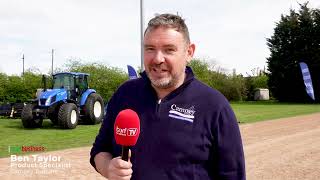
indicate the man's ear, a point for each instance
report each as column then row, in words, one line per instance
column 190, row 51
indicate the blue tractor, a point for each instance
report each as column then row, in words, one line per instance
column 69, row 102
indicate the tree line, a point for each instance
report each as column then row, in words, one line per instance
column 106, row 80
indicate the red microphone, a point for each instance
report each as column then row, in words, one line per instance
column 126, row 130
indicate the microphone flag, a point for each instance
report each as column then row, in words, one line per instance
column 307, row 79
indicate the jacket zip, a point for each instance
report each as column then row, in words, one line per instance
column 158, row 108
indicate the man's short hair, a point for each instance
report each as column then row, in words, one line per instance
column 169, row 21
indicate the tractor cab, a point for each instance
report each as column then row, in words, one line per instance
column 74, row 84
column 65, row 86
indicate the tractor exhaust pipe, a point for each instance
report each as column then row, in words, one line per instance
column 44, row 81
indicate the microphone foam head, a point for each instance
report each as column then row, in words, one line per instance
column 127, row 128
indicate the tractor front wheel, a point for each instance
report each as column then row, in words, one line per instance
column 68, row 116
column 28, row 120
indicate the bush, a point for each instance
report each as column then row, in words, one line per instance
column 19, row 88
column 233, row 87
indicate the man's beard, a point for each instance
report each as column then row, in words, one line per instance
column 164, row 83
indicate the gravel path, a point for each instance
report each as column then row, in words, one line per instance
column 287, row 148
column 283, row 149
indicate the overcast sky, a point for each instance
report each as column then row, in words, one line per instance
column 230, row 33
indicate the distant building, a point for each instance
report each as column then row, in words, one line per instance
column 261, row 95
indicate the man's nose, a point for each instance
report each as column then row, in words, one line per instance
column 159, row 57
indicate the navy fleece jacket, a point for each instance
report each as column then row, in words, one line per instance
column 192, row 133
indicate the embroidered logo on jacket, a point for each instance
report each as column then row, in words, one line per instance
column 182, row 113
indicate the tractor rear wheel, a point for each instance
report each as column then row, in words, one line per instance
column 28, row 120
column 94, row 109
column 68, row 116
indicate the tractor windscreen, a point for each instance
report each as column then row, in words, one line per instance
column 65, row 81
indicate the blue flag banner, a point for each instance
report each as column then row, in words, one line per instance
column 307, row 79
column 132, row 72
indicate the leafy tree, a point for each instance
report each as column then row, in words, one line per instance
column 295, row 39
column 32, row 82
column 201, row 69
column 15, row 90
column 3, row 84
column 232, row 87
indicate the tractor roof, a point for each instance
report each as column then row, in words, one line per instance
column 72, row 73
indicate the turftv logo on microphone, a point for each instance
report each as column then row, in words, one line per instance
column 126, row 131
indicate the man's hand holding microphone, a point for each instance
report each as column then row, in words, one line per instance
column 126, row 133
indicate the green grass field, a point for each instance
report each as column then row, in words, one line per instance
column 247, row 112
column 52, row 138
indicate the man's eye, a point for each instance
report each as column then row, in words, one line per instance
column 170, row 50
column 148, row 49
